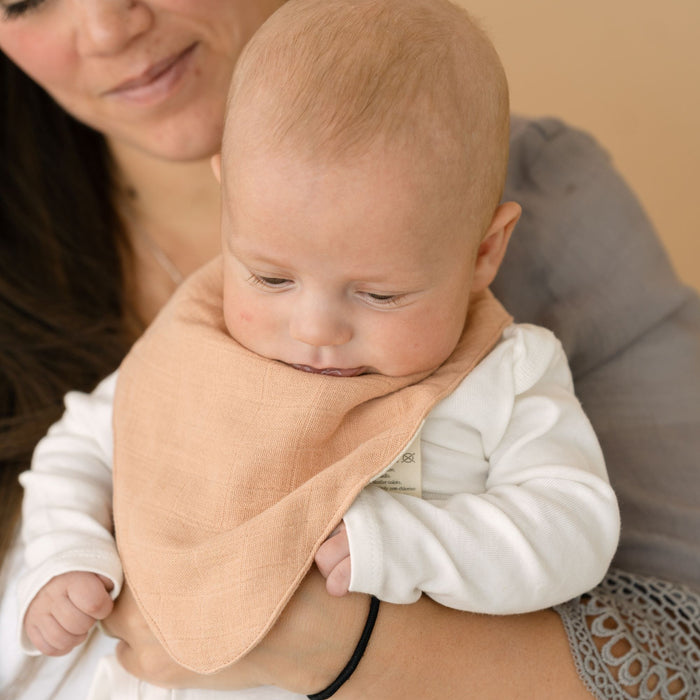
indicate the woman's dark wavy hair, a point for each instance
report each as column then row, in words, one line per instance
column 62, row 306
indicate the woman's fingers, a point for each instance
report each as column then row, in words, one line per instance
column 154, row 665
column 125, row 621
column 140, row 653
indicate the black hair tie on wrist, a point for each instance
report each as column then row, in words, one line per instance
column 356, row 655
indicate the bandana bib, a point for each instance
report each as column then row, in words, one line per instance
column 230, row 469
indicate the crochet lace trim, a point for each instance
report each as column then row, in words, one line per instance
column 636, row 638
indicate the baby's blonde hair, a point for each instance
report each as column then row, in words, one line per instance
column 330, row 78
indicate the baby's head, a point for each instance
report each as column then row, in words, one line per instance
column 363, row 164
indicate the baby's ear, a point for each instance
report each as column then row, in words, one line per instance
column 216, row 166
column 493, row 246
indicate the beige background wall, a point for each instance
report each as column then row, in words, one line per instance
column 628, row 71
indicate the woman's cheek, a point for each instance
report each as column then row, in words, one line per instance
column 48, row 67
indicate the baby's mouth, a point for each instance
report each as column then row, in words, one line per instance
column 330, row 371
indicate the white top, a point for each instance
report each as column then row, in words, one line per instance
column 516, row 512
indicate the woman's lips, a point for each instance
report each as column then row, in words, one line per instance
column 330, row 371
column 156, row 81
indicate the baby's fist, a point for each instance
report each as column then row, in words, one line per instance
column 333, row 561
column 65, row 609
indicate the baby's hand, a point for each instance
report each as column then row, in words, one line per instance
column 64, row 610
column 333, row 561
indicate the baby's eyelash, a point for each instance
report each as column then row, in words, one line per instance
column 268, row 282
column 19, row 9
column 384, row 299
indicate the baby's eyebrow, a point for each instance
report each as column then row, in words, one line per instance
column 250, row 255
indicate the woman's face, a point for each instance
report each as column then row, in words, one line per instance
column 152, row 74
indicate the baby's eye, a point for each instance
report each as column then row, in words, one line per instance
column 269, row 282
column 382, row 299
column 18, row 9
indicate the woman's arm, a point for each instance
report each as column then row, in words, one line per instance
column 421, row 651
column 431, row 652
column 629, row 631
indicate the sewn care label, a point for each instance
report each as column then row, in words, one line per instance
column 404, row 474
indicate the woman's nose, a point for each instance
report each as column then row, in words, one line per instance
column 105, row 27
column 319, row 325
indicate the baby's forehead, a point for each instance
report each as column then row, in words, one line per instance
column 399, row 197
column 426, row 164
column 431, row 183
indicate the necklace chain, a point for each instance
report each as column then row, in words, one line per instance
column 161, row 257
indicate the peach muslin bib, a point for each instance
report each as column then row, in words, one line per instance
column 231, row 469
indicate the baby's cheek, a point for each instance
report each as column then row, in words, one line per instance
column 422, row 350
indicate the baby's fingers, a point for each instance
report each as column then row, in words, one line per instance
column 50, row 638
column 338, row 581
column 88, row 594
column 70, row 617
column 333, row 551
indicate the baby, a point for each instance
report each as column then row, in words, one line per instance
column 362, row 169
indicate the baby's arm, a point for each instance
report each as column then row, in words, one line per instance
column 542, row 527
column 67, row 522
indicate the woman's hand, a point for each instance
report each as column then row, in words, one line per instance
column 304, row 651
column 138, row 650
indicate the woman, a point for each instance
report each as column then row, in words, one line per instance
column 104, row 212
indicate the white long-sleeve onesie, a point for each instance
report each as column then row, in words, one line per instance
column 516, row 514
